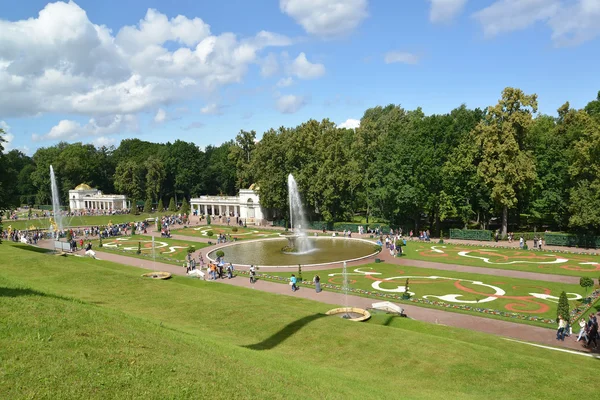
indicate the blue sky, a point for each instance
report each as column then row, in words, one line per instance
column 101, row 71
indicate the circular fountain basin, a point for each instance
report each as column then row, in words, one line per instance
column 268, row 253
column 157, row 275
column 351, row 313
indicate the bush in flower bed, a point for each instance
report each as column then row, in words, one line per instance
column 578, row 312
column 417, row 300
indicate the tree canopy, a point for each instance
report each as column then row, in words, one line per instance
column 499, row 167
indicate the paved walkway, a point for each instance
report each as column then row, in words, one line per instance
column 512, row 330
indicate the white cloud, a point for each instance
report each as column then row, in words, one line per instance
column 572, row 21
column 304, row 69
column 285, row 82
column 212, row 109
column 269, row 65
column 193, row 125
column 511, row 15
column 289, row 104
column 576, row 23
column 104, row 141
column 102, row 126
column 400, row 57
column 350, row 124
column 326, row 18
column 79, row 67
column 445, row 10
column 161, row 116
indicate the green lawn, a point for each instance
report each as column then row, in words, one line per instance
column 166, row 250
column 544, row 262
column 81, row 328
column 99, row 220
column 513, row 299
column 241, row 234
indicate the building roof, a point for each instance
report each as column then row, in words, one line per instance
column 83, row 186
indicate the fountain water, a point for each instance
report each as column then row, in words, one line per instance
column 297, row 219
column 345, row 288
column 55, row 203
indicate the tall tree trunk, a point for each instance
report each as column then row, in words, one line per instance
column 504, row 221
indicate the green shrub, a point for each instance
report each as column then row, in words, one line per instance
column 191, row 249
column 210, row 233
column 160, row 206
column 208, row 220
column 525, row 247
column 563, row 306
column 139, row 250
column 471, row 234
column 148, row 206
column 586, row 283
column 172, row 205
column 220, row 253
column 234, row 229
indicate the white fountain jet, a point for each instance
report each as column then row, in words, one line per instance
column 297, row 218
column 58, row 219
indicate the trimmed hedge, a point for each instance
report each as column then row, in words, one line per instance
column 571, row 240
column 471, row 234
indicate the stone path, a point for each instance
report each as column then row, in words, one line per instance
column 512, row 330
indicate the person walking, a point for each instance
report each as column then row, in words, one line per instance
column 293, row 281
column 252, row 274
column 582, row 330
column 562, row 324
column 317, row 281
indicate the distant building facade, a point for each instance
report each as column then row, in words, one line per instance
column 83, row 197
column 246, row 205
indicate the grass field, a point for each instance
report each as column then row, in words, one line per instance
column 457, row 291
column 97, row 220
column 241, row 234
column 166, row 250
column 519, row 260
column 82, row 328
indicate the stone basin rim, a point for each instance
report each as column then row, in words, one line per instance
column 294, row 265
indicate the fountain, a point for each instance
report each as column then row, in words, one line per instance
column 297, row 241
column 57, row 224
column 301, row 249
column 347, row 312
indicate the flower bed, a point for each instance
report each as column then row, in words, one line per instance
column 578, row 312
column 436, row 303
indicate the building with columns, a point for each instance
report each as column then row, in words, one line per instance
column 246, row 205
column 83, row 197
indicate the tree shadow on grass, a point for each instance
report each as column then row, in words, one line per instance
column 279, row 337
column 17, row 292
column 31, row 248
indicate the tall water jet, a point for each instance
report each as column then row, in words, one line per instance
column 58, row 220
column 297, row 219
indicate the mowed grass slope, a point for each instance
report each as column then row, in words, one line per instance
column 81, row 328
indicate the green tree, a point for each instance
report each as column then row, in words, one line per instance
column 130, row 179
column 133, row 210
column 155, row 176
column 185, row 207
column 584, row 172
column 172, row 206
column 506, row 166
column 161, row 206
column 586, row 283
column 240, row 153
column 148, row 205
column 563, row 307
